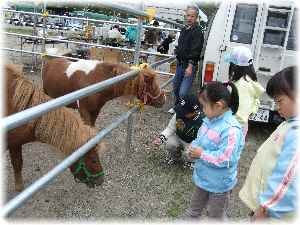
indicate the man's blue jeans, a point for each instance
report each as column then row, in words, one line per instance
column 182, row 84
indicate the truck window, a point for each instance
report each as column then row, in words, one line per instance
column 277, row 19
column 243, row 23
column 292, row 41
column 274, row 37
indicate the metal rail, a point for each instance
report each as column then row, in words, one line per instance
column 21, row 198
column 90, row 20
column 23, row 117
column 84, row 43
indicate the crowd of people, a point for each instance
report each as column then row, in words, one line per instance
column 209, row 131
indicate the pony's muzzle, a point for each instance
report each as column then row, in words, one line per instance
column 98, row 181
column 159, row 102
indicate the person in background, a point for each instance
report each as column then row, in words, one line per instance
column 270, row 188
column 216, row 151
column 242, row 74
column 187, row 52
column 114, row 36
column 163, row 48
column 181, row 130
column 152, row 35
column 131, row 35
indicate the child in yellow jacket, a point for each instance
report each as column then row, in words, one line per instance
column 242, row 74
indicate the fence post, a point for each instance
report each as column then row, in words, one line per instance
column 44, row 37
column 136, row 62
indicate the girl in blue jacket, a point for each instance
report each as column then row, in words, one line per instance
column 216, row 150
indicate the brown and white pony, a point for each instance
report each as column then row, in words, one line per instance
column 61, row 76
column 62, row 128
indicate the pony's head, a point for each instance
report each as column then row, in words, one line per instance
column 148, row 89
column 88, row 168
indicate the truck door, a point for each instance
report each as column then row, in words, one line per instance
column 242, row 29
column 276, row 45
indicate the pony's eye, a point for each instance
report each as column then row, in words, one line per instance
column 94, row 160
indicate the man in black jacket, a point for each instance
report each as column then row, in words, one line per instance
column 187, row 52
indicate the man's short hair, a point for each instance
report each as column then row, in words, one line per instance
column 192, row 7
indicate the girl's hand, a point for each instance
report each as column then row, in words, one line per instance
column 195, row 152
column 260, row 214
column 157, row 141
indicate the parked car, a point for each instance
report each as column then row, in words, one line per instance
column 50, row 25
column 15, row 21
column 58, row 25
column 29, row 23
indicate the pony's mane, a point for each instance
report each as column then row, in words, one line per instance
column 61, row 128
column 148, row 72
column 20, row 89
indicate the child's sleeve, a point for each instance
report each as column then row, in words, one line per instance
column 171, row 128
column 280, row 197
column 231, row 142
column 197, row 141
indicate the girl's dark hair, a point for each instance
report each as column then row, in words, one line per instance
column 236, row 72
column 215, row 91
column 283, row 83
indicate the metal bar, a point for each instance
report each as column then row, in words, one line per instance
column 136, row 12
column 153, row 65
column 44, row 36
column 23, row 117
column 169, row 21
column 38, row 53
column 166, row 83
column 106, row 3
column 94, row 20
column 129, row 133
column 136, row 62
column 138, row 41
column 70, row 17
column 164, row 73
column 161, row 28
column 88, row 44
column 20, row 199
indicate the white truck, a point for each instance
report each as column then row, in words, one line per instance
column 268, row 28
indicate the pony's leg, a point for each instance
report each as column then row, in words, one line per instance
column 85, row 115
column 17, row 163
column 94, row 116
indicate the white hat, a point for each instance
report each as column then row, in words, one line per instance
column 240, row 56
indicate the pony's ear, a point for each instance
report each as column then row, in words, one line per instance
column 115, row 70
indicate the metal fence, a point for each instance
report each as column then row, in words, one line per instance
column 44, row 38
column 23, row 117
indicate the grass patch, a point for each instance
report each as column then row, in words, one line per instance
column 27, row 30
column 173, row 211
column 177, row 205
column 21, row 30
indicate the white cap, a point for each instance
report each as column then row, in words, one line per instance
column 240, row 56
